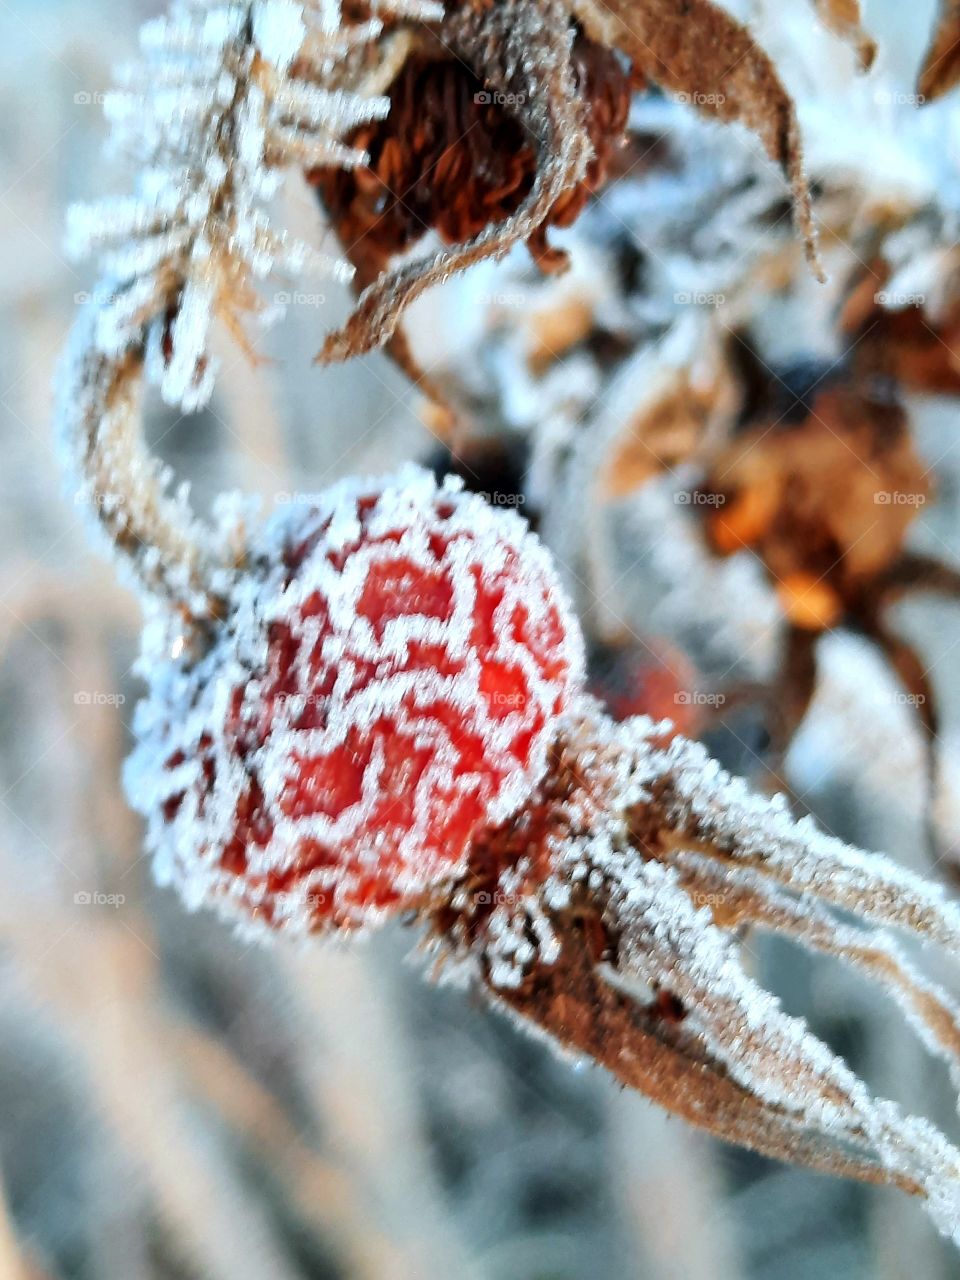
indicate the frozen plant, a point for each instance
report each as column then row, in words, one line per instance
column 374, row 706
column 507, row 115
column 389, row 720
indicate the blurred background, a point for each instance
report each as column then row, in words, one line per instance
column 178, row 1104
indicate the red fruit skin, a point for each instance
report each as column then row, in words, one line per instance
column 387, row 681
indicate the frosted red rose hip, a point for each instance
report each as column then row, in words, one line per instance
column 387, row 679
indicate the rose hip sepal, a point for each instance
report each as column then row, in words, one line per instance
column 386, row 680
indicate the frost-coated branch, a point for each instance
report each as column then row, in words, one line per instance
column 115, row 476
column 226, row 99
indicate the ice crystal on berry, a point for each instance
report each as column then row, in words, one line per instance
column 387, row 678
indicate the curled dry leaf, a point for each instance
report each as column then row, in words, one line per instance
column 523, row 54
column 695, row 49
column 456, row 158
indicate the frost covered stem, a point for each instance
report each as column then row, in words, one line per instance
column 121, row 484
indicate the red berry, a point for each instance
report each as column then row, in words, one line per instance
column 387, row 680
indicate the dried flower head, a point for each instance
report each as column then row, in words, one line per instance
column 547, row 82
column 453, row 158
